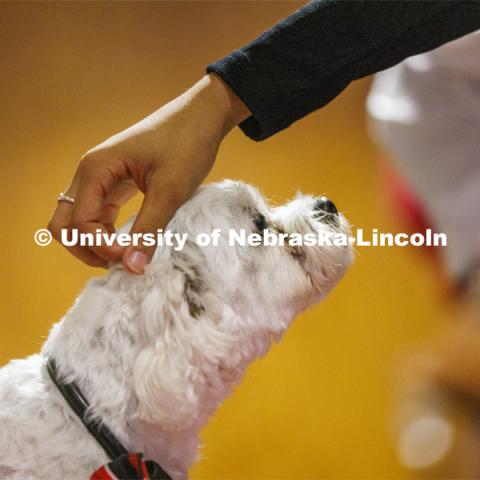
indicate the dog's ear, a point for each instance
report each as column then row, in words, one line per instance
column 183, row 349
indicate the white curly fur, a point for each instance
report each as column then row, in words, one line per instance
column 156, row 354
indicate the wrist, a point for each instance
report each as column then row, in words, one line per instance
column 223, row 105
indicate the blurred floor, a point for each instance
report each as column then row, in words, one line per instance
column 74, row 73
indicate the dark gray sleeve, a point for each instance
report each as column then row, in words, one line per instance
column 307, row 59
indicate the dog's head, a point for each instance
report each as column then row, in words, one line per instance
column 209, row 310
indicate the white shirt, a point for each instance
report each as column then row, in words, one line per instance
column 426, row 113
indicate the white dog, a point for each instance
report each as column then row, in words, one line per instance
column 156, row 354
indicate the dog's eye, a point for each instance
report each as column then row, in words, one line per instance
column 259, row 221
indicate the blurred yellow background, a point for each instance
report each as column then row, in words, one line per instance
column 319, row 405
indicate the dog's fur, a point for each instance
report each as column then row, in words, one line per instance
column 156, row 354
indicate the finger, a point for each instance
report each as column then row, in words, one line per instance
column 124, row 191
column 82, row 253
column 85, row 255
column 96, row 183
column 63, row 211
column 60, row 221
column 158, row 207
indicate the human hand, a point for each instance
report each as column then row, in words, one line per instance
column 166, row 156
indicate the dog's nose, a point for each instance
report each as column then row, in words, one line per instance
column 325, row 205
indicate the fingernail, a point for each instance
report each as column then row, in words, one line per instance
column 137, row 261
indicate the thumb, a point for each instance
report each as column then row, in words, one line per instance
column 158, row 207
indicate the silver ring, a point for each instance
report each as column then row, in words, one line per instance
column 65, row 198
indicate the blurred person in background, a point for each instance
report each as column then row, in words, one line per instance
column 426, row 114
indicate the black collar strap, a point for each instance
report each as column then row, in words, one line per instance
column 102, row 434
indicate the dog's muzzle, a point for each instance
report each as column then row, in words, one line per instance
column 325, row 211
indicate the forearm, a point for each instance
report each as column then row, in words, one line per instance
column 307, row 59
